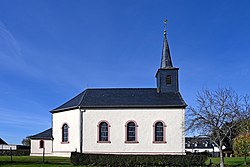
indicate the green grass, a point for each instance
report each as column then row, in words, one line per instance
column 230, row 161
column 30, row 161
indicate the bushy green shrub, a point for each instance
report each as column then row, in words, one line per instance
column 137, row 160
column 14, row 152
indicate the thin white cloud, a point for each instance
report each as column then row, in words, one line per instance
column 11, row 57
column 24, row 120
column 9, row 41
column 30, row 64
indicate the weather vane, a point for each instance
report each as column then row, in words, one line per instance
column 165, row 26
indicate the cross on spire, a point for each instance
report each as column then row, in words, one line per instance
column 165, row 26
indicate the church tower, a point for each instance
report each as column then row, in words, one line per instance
column 167, row 75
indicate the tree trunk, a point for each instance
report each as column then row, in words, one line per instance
column 221, row 157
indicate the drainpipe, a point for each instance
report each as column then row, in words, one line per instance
column 52, row 139
column 81, row 128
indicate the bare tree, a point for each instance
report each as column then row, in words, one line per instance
column 26, row 142
column 216, row 114
column 244, row 124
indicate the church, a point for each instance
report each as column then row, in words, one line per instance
column 120, row 120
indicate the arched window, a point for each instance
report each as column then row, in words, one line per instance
column 131, row 132
column 169, row 80
column 103, row 132
column 159, row 132
column 41, row 144
column 65, row 133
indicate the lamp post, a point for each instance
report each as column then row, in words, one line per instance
column 43, row 154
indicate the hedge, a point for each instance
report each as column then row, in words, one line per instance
column 14, row 152
column 114, row 160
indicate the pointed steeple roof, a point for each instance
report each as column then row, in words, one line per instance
column 166, row 61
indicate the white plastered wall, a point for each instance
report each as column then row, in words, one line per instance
column 72, row 118
column 145, row 118
column 35, row 149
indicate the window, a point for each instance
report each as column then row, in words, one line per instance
column 65, row 133
column 169, row 80
column 159, row 132
column 103, row 132
column 131, row 132
column 41, row 144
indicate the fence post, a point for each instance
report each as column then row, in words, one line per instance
column 11, row 154
column 43, row 154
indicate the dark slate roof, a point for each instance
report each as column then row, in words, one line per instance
column 166, row 61
column 199, row 141
column 47, row 134
column 2, row 141
column 123, row 98
column 22, row 147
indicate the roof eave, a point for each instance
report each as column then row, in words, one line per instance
column 137, row 106
column 40, row 138
column 63, row 109
column 119, row 106
column 167, row 68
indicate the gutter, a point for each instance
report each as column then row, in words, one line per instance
column 122, row 106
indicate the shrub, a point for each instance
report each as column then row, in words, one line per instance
column 137, row 160
column 14, row 152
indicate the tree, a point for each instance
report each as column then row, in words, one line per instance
column 242, row 145
column 216, row 115
column 243, row 124
column 26, row 142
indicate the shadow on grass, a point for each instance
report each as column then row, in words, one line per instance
column 29, row 163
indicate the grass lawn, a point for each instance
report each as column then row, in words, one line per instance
column 230, row 161
column 30, row 161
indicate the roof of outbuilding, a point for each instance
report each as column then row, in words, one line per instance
column 198, row 142
column 123, row 98
column 2, row 141
column 47, row 134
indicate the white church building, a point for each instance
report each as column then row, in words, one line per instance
column 120, row 120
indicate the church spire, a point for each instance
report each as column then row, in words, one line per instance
column 167, row 75
column 166, row 61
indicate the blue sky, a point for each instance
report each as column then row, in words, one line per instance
column 51, row 50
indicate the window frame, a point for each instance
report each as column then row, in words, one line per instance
column 136, row 132
column 164, row 132
column 65, row 142
column 98, row 131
